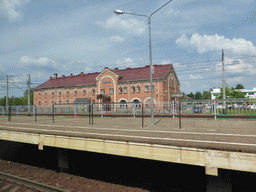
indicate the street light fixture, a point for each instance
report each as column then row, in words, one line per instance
column 118, row 12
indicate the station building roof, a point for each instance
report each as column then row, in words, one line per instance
column 128, row 74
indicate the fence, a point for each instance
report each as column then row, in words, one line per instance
column 245, row 108
column 228, row 107
column 75, row 110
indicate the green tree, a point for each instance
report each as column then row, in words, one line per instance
column 17, row 101
column 3, row 101
column 191, row 95
column 239, row 86
column 198, row 96
column 11, row 101
column 25, row 98
column 231, row 93
column 206, row 95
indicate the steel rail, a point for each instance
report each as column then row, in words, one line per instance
column 31, row 184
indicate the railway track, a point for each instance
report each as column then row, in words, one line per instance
column 11, row 183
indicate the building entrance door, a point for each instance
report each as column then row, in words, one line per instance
column 107, row 106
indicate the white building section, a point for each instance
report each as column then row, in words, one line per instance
column 249, row 93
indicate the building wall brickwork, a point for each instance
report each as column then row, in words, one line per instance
column 110, row 86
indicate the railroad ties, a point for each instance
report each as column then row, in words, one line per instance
column 11, row 183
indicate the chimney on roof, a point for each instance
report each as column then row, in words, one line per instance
column 71, row 75
column 50, row 77
column 63, row 76
column 128, row 68
column 55, row 75
column 116, row 69
column 82, row 73
column 106, row 68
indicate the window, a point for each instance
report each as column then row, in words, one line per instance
column 52, row 102
column 52, row 94
column 123, row 104
column 133, row 89
column 120, row 90
column 39, row 103
column 45, row 102
column 125, row 90
column 60, row 102
column 67, row 93
column 102, row 91
column 111, row 91
column 68, row 102
column 146, row 89
column 153, row 88
column 93, row 92
column 45, row 95
column 138, row 89
column 84, row 92
column 136, row 103
column 75, row 93
column 60, row 94
column 39, row 95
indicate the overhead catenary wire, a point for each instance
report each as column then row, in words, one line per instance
column 200, row 66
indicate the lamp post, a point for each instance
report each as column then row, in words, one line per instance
column 118, row 12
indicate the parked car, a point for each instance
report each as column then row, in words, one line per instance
column 197, row 110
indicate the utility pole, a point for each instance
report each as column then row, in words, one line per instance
column 29, row 94
column 223, row 83
column 28, row 89
column 7, row 91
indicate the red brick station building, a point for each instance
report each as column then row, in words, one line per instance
column 110, row 85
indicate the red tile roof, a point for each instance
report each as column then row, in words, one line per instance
column 128, row 74
column 142, row 72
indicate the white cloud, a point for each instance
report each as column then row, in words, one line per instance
column 177, row 66
column 117, row 39
column 195, row 76
column 10, row 8
column 235, row 66
column 132, row 25
column 38, row 75
column 235, row 80
column 206, row 43
column 126, row 63
column 41, row 61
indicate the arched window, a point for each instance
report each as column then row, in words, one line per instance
column 67, row 93
column 136, row 103
column 123, row 104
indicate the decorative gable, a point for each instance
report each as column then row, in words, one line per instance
column 106, row 71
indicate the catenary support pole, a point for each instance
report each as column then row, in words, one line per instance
column 179, row 115
column 92, row 114
column 53, row 113
column 142, row 116
column 89, row 114
column 223, row 83
column 35, row 112
column 7, row 91
column 28, row 94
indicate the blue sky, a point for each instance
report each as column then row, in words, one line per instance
column 40, row 38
